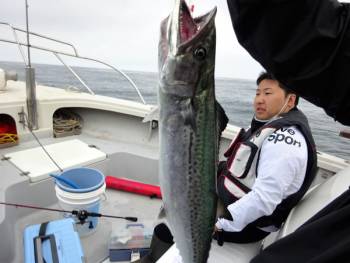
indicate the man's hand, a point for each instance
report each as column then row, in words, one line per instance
column 216, row 229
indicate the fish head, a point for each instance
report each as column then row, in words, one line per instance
column 186, row 50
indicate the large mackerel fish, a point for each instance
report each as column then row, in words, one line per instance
column 190, row 122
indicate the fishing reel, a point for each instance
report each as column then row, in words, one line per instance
column 82, row 216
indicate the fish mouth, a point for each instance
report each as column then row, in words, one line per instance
column 188, row 28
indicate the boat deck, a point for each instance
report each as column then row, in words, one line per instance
column 123, row 159
column 95, row 245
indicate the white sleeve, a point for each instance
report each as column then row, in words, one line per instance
column 281, row 172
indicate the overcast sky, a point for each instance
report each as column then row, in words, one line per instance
column 124, row 33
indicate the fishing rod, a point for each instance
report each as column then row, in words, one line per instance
column 82, row 215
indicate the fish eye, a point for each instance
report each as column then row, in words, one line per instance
column 200, row 53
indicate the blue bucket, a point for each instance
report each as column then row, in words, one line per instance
column 91, row 186
column 86, row 179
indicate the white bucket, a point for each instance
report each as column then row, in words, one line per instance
column 89, row 201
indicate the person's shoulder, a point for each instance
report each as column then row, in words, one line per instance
column 289, row 136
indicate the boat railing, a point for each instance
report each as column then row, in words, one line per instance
column 58, row 53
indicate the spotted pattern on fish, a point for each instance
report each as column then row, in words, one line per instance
column 189, row 118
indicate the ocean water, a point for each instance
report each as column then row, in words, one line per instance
column 235, row 95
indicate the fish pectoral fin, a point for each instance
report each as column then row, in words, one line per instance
column 188, row 115
column 162, row 213
column 221, row 117
column 152, row 115
column 162, row 217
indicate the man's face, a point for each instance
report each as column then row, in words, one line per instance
column 269, row 100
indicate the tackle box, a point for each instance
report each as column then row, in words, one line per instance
column 129, row 242
column 52, row 242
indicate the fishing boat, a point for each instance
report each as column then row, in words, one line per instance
column 46, row 130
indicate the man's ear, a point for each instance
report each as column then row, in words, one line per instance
column 291, row 100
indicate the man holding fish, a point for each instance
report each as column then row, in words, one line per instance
column 269, row 167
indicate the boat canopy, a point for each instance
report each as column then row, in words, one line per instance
column 305, row 44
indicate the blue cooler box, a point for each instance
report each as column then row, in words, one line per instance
column 59, row 243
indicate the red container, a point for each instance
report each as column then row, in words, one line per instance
column 133, row 186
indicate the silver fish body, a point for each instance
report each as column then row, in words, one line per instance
column 189, row 129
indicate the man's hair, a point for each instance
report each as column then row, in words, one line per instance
column 265, row 75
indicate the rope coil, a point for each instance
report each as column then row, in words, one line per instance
column 8, row 138
column 66, row 123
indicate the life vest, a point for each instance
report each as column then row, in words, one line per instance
column 236, row 178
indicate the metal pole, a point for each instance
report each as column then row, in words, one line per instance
column 74, row 74
column 30, row 85
column 28, row 43
column 31, row 99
